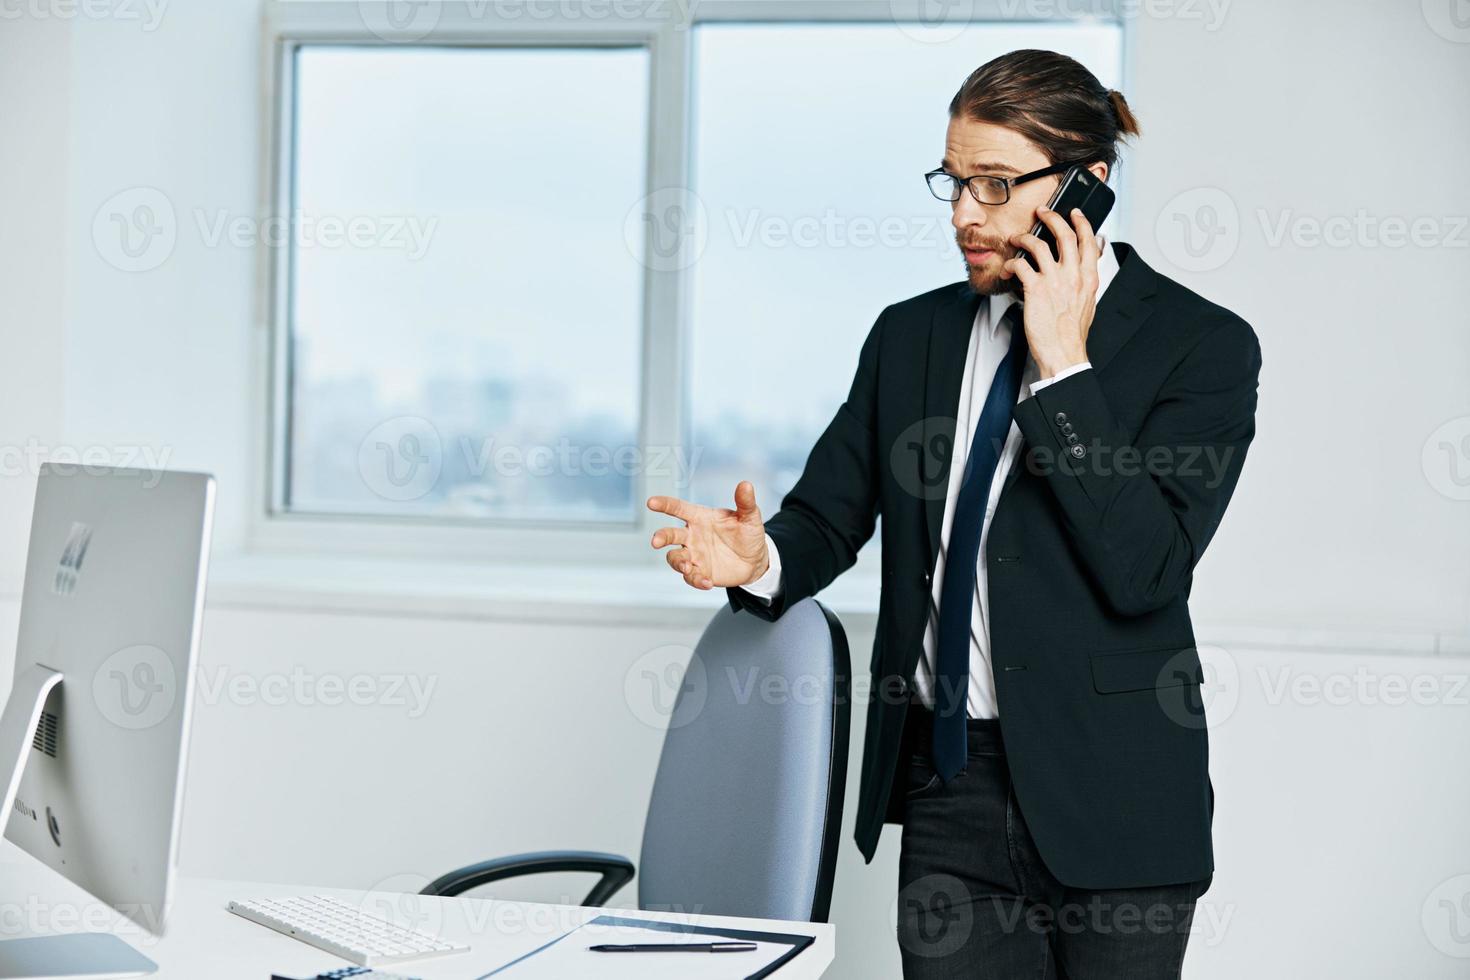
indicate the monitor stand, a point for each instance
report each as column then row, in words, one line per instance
column 90, row 955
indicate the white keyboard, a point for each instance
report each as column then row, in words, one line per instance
column 343, row 929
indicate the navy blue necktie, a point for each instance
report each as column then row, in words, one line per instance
column 957, row 593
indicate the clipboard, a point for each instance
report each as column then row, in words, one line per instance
column 779, row 949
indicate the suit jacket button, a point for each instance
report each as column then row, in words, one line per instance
column 1067, row 428
column 1078, row 451
column 1072, row 439
column 1061, row 418
column 928, row 578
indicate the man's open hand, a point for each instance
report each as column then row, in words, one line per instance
column 717, row 547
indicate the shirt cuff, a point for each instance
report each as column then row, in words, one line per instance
column 768, row 586
column 1067, row 373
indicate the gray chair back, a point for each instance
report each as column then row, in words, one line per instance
column 747, row 804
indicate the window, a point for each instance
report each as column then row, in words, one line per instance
column 474, row 350
column 491, row 318
column 819, row 218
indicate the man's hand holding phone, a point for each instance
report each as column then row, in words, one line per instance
column 1061, row 292
column 717, row 547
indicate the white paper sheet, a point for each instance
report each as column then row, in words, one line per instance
column 570, row 957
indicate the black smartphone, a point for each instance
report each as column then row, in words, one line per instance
column 1079, row 188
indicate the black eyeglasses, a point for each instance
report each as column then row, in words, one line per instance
column 983, row 187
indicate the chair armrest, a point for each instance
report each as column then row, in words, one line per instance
column 616, row 872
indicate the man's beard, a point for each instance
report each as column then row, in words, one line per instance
column 984, row 282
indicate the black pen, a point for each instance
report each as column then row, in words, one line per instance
column 675, row 948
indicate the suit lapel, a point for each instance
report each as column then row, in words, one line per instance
column 949, row 337
column 1122, row 309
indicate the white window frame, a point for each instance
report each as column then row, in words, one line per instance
column 665, row 28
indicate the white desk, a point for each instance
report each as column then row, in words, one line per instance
column 204, row 940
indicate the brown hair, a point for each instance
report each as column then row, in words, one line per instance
column 1053, row 101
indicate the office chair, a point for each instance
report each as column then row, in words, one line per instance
column 747, row 803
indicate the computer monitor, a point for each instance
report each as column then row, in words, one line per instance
column 93, row 736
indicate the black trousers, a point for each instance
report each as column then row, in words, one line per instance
column 976, row 901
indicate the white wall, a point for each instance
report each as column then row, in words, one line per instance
column 1310, row 110
column 1336, row 821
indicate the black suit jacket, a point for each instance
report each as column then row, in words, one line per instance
column 1123, row 479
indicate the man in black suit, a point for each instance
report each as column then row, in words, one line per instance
column 1051, row 449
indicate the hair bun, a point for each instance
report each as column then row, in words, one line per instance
column 1127, row 122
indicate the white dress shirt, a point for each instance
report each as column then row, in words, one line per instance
column 989, row 341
